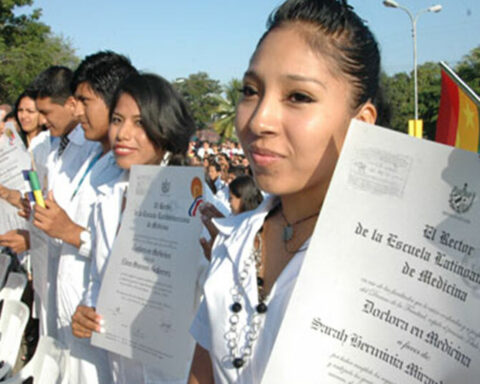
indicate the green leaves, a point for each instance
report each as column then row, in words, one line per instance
column 27, row 47
column 399, row 92
column 201, row 94
column 224, row 123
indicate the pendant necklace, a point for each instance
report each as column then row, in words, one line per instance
column 288, row 230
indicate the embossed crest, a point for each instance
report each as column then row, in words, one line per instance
column 166, row 186
column 461, row 199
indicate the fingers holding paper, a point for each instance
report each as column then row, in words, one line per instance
column 85, row 321
column 25, row 209
column 17, row 240
column 12, row 196
column 208, row 212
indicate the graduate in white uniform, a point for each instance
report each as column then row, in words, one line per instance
column 313, row 71
column 66, row 162
column 149, row 124
column 94, row 84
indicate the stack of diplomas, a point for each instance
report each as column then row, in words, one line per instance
column 390, row 288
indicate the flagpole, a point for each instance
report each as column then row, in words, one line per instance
column 464, row 86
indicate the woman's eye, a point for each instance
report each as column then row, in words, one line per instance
column 115, row 120
column 298, row 97
column 139, row 123
column 248, row 91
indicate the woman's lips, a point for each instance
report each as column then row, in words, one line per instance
column 264, row 157
column 121, row 150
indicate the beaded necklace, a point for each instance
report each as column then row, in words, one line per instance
column 239, row 356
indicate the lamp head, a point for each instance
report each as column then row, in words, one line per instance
column 435, row 8
column 390, row 3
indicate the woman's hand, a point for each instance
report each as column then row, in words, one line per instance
column 17, row 240
column 208, row 212
column 85, row 321
column 12, row 196
column 201, row 371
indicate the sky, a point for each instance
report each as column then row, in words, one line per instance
column 175, row 38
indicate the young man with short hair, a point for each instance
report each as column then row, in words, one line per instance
column 93, row 85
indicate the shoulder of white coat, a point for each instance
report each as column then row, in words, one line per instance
column 228, row 225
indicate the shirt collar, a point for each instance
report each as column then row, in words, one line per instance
column 239, row 231
column 77, row 135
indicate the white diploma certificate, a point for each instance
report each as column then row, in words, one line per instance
column 39, row 244
column 148, row 292
column 14, row 159
column 9, row 218
column 390, row 287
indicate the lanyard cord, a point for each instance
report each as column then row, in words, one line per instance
column 90, row 166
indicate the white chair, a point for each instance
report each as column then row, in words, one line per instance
column 14, row 287
column 13, row 320
column 4, row 264
column 49, row 364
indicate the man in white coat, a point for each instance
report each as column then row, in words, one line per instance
column 68, row 157
column 94, row 84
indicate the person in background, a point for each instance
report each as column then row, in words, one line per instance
column 217, row 184
column 195, row 161
column 28, row 118
column 244, row 194
column 315, row 69
column 5, row 110
column 234, row 172
column 204, row 150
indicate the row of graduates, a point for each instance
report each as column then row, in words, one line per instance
column 101, row 119
column 314, row 70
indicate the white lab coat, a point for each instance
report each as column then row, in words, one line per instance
column 106, row 223
column 87, row 364
column 232, row 246
column 64, row 173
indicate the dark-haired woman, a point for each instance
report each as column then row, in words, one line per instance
column 28, row 118
column 313, row 71
column 149, row 124
column 244, row 194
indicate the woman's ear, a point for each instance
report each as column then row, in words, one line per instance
column 367, row 113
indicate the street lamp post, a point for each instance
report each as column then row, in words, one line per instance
column 413, row 19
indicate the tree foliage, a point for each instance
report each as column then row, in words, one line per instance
column 27, row 46
column 398, row 91
column 225, row 113
column 202, row 94
column 469, row 69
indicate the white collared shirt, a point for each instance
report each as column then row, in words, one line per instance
column 233, row 245
column 63, row 175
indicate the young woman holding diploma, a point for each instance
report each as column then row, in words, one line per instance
column 149, row 124
column 313, row 71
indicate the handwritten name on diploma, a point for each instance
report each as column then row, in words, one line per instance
column 413, row 369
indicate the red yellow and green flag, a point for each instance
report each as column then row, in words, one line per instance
column 458, row 121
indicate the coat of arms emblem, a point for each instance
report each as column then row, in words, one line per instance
column 461, row 199
column 166, row 186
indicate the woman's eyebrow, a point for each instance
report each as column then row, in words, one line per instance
column 306, row 79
